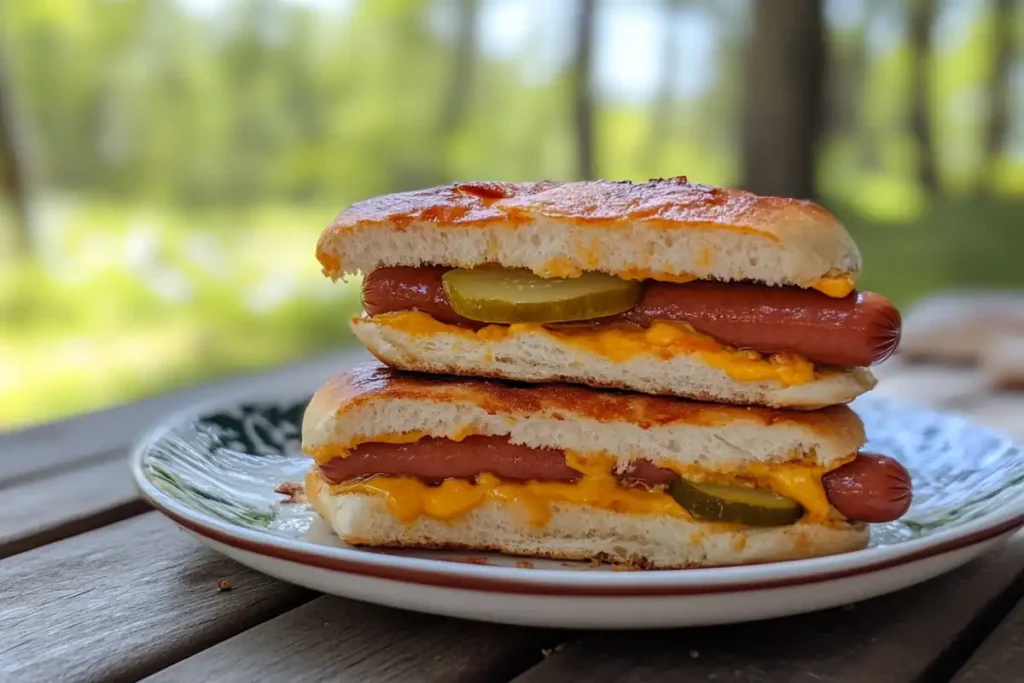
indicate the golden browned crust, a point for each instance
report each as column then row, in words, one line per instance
column 373, row 381
column 672, row 204
column 595, row 558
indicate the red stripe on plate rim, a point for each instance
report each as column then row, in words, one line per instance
column 494, row 585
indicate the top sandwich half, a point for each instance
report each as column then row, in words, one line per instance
column 666, row 230
column 665, row 287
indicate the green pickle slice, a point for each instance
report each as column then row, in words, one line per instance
column 723, row 503
column 516, row 295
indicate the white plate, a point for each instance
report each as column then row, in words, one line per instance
column 214, row 469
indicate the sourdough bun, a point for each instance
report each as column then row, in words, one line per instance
column 577, row 532
column 372, row 401
column 532, row 356
column 662, row 229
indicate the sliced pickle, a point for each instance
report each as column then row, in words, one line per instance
column 722, row 503
column 516, row 295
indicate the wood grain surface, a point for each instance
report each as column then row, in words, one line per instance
column 125, row 601
column 1001, row 656
column 332, row 639
column 922, row 633
column 48, row 449
column 77, row 500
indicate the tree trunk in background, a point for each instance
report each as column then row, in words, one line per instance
column 783, row 108
column 998, row 92
column 661, row 119
column 456, row 102
column 868, row 145
column 583, row 105
column 922, row 17
column 13, row 166
column 845, row 69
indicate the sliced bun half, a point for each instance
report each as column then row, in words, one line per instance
column 372, row 401
column 662, row 229
column 577, row 532
column 533, row 356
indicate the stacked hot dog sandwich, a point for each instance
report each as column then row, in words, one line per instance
column 652, row 374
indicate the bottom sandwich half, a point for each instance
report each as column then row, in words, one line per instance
column 568, row 472
column 581, row 532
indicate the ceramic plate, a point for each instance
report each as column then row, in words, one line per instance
column 215, row 471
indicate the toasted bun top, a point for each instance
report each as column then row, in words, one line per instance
column 372, row 402
column 662, row 229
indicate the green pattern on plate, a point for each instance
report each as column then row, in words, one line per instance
column 227, row 464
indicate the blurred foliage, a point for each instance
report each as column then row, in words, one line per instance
column 187, row 153
column 150, row 303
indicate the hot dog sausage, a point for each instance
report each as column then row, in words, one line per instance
column 434, row 460
column 403, row 289
column 858, row 330
column 871, row 488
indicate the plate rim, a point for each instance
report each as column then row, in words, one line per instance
column 515, row 580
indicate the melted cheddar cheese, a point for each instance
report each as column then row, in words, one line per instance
column 644, row 274
column 559, row 267
column 837, row 286
column 408, row 498
column 620, row 343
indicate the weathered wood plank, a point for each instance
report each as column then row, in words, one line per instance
column 50, row 447
column 922, row 633
column 1001, row 656
column 123, row 602
column 332, row 639
column 45, row 510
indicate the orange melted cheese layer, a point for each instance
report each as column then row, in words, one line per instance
column 835, row 286
column 620, row 343
column 408, row 498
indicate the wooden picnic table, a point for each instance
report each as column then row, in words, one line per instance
column 94, row 587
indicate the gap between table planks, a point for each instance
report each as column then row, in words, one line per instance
column 333, row 639
column 79, row 499
column 129, row 600
column 68, row 477
column 141, row 597
column 921, row 633
column 1001, row 656
column 124, row 601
